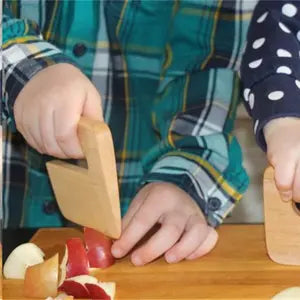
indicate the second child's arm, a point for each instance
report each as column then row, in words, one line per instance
column 271, row 75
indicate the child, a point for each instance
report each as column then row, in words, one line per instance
column 271, row 75
column 168, row 89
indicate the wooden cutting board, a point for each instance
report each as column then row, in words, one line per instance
column 238, row 268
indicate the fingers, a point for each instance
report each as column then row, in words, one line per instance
column 47, row 132
column 30, row 139
column 143, row 220
column 183, row 232
column 170, row 232
column 29, row 128
column 49, row 107
column 135, row 205
column 65, row 130
column 66, row 123
column 206, row 246
column 195, row 234
column 296, row 187
column 48, row 135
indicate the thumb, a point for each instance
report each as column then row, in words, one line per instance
column 284, row 177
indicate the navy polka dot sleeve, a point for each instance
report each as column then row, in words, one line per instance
column 270, row 68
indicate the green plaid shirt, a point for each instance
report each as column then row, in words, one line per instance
column 167, row 74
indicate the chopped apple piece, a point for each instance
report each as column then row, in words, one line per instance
column 292, row 293
column 41, row 280
column 75, row 261
column 75, row 289
column 83, row 279
column 109, row 288
column 102, row 290
column 75, row 286
column 20, row 259
column 98, row 249
column 88, row 287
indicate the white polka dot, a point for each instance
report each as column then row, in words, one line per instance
column 297, row 83
column 262, row 17
column 284, row 70
column 251, row 100
column 256, row 63
column 298, row 35
column 246, row 94
column 256, row 125
column 283, row 53
column 284, row 28
column 277, row 95
column 289, row 10
column 258, row 43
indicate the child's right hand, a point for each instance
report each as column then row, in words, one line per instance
column 48, row 109
column 283, row 141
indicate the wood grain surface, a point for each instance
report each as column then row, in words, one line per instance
column 238, row 268
column 93, row 191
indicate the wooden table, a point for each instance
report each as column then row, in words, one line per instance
column 238, row 268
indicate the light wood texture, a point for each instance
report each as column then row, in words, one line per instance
column 238, row 268
column 282, row 225
column 90, row 197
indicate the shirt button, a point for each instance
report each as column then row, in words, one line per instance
column 214, row 204
column 79, row 49
column 50, row 207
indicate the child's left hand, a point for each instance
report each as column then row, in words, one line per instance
column 184, row 233
column 283, row 142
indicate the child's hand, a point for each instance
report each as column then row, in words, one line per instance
column 184, row 232
column 48, row 109
column 283, row 142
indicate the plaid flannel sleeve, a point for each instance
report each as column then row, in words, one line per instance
column 197, row 151
column 270, row 68
column 24, row 54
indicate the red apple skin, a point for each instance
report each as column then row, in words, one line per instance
column 96, row 292
column 99, row 258
column 78, row 263
column 75, row 289
column 98, row 249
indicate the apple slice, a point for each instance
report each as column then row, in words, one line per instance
column 75, row 289
column 75, row 286
column 41, row 279
column 86, row 286
column 20, row 259
column 102, row 290
column 75, row 261
column 98, row 249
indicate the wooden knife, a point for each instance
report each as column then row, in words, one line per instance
column 90, row 196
